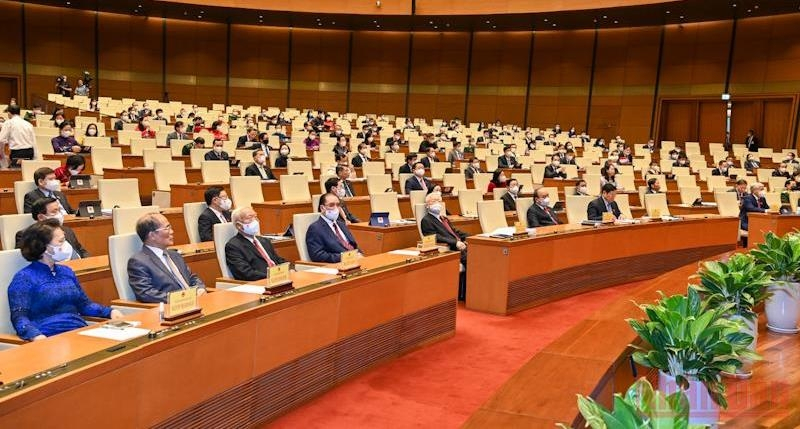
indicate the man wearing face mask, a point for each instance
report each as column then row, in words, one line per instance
column 555, row 170
column 540, row 213
column 473, row 169
column 721, row 170
column 217, row 154
column 511, row 195
column 336, row 186
column 782, row 171
column 247, row 254
column 329, row 236
column 260, row 166
column 363, row 155
column 179, row 133
column 48, row 208
column 754, row 202
column 47, row 186
column 430, row 158
column 653, row 186
column 249, row 139
column 218, row 211
column 436, row 223
column 507, row 160
column 418, row 182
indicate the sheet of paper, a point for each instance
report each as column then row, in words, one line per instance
column 248, row 289
column 323, row 270
column 115, row 334
column 405, row 252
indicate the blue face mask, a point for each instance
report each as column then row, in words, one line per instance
column 332, row 214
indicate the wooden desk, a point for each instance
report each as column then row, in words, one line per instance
column 373, row 240
column 8, row 204
column 93, row 233
column 193, row 192
column 145, row 176
column 688, row 209
column 270, row 357
column 570, row 259
column 758, row 224
column 9, row 176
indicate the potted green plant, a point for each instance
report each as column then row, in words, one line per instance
column 640, row 407
column 691, row 344
column 780, row 258
column 741, row 282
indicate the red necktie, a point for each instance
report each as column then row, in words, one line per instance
column 263, row 253
column 547, row 210
column 341, row 238
column 758, row 201
column 446, row 223
column 422, row 183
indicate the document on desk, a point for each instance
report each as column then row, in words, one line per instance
column 323, row 270
column 116, row 334
column 404, row 252
column 247, row 289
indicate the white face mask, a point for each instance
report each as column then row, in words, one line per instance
column 419, row 172
column 435, row 209
column 59, row 122
column 514, row 190
column 52, row 185
column 66, row 134
column 59, row 217
column 331, row 214
column 92, row 132
column 556, row 163
column 252, row 228
column 582, row 189
column 74, row 172
column 284, row 152
column 61, row 253
column 261, row 159
column 225, row 204
column 218, row 149
column 545, row 202
column 340, row 192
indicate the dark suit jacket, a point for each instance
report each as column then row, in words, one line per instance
column 469, row 172
column 426, row 161
column 749, row 204
column 430, row 225
column 357, row 161
column 509, row 202
column 206, row 222
column 405, row 168
column 348, row 189
column 212, row 156
column 538, row 217
column 69, row 235
column 281, row 161
column 350, row 217
column 752, row 143
column 175, row 136
column 412, row 184
column 322, row 244
column 550, row 172
column 503, row 162
column 37, row 193
column 597, row 207
column 151, row 280
column 252, row 170
column 244, row 260
column 717, row 172
column 242, row 142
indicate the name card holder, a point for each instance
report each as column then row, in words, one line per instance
column 278, row 279
column 520, row 230
column 349, row 262
column 428, row 245
column 181, row 306
column 608, row 217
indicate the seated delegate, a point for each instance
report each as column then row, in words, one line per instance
column 329, row 236
column 47, row 186
column 45, row 298
column 248, row 255
column 48, row 208
column 218, row 211
column 540, row 213
column 605, row 203
column 155, row 271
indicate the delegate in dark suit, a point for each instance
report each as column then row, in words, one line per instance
column 244, row 260
column 213, row 156
column 359, row 160
column 509, row 202
column 405, row 168
column 471, row 171
column 252, row 170
column 426, row 161
column 538, row 216
column 597, row 207
column 431, row 225
column 176, row 136
column 206, row 222
column 69, row 235
column 507, row 162
column 413, row 184
column 751, row 204
column 151, row 280
column 322, row 244
column 551, row 172
column 37, row 193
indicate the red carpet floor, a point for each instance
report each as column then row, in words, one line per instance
column 443, row 384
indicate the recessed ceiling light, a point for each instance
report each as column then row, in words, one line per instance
column 754, row 7
column 333, row 22
column 435, row 27
column 605, row 16
column 749, row 10
column 488, row 22
column 494, row 26
column 554, row 24
column 430, row 22
column 616, row 22
column 545, row 20
column 668, row 12
column 681, row 17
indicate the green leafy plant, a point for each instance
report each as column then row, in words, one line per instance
column 640, row 407
column 691, row 340
column 739, row 281
column 779, row 256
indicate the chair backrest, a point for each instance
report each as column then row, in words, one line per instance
column 455, row 180
column 576, row 207
column 689, row 194
column 28, row 167
column 727, row 204
column 138, row 145
column 417, row 197
column 491, row 215
column 169, row 173
column 124, row 218
column 776, row 184
column 402, row 178
column 492, row 162
column 106, row 157
column 624, row 205
column 120, row 250
column 304, row 167
column 763, row 174
column 523, row 204
column 537, row 173
column 685, row 181
column 468, row 201
column 714, row 183
column 370, row 168
column 480, row 181
column 773, row 200
column 681, row 171
column 191, row 213
column 118, row 192
column 377, row 183
column 438, row 169
column 197, row 156
column 223, row 232
column 246, row 190
column 653, row 202
column 150, row 156
column 300, row 223
column 592, row 183
column 294, row 188
column 385, row 202
column 22, row 187
column 11, row 261
column 176, row 146
column 419, row 212
column 10, row 224
column 215, row 172
column 625, row 181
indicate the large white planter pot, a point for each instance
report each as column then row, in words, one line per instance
column 750, row 327
column 782, row 308
column 702, row 409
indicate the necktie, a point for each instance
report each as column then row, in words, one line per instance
column 60, row 206
column 175, row 272
column 446, row 223
column 758, row 202
column 262, row 172
column 349, row 193
column 549, row 214
column 423, row 185
column 263, row 253
column 341, row 238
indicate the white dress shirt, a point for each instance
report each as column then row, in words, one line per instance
column 18, row 133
